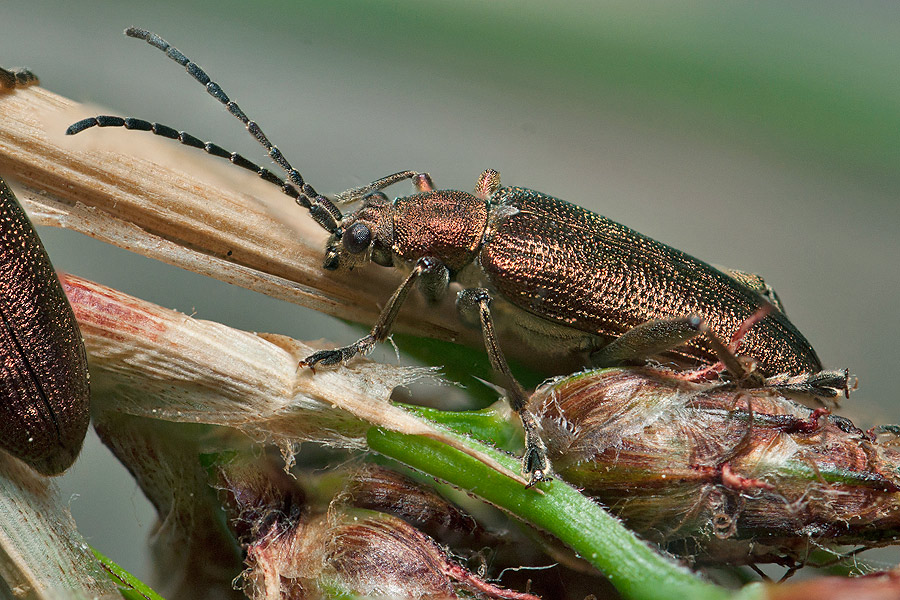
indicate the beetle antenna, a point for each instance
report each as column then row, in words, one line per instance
column 322, row 210
column 188, row 140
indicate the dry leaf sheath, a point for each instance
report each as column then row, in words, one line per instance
column 141, row 194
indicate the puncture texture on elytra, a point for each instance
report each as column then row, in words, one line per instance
column 44, row 382
column 562, row 280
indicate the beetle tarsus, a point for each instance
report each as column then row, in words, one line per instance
column 327, row 358
column 535, row 463
column 17, row 78
column 821, row 384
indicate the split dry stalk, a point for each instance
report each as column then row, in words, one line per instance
column 134, row 191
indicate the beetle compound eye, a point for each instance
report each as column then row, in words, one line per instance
column 357, row 238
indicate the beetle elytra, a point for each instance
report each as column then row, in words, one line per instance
column 44, row 387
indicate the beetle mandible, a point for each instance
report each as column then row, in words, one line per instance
column 558, row 277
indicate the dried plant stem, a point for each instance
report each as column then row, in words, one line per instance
column 132, row 191
column 42, row 555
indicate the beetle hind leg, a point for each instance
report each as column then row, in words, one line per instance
column 656, row 337
column 648, row 339
column 535, row 463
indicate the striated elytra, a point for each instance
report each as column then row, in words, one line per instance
column 44, row 383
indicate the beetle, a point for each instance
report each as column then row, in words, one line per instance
column 559, row 278
column 44, row 378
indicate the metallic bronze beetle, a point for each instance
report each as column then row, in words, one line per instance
column 562, row 279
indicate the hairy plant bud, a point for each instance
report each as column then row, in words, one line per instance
column 381, row 489
column 259, row 496
column 727, row 475
column 299, row 552
column 877, row 586
column 362, row 552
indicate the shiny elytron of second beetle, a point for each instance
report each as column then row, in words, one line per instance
column 568, row 265
column 44, row 387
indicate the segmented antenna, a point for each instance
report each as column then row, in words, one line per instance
column 322, row 210
column 188, row 140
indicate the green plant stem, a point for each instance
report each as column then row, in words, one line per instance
column 638, row 571
column 492, row 424
column 130, row 586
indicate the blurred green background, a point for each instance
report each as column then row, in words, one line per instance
column 756, row 135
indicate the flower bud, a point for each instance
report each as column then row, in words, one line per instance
column 378, row 488
column 302, row 552
column 729, row 475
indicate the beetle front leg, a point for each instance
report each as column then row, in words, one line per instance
column 422, row 182
column 426, row 270
column 535, row 464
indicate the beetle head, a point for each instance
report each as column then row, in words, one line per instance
column 366, row 234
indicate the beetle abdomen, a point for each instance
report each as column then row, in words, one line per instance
column 44, row 390
column 574, row 267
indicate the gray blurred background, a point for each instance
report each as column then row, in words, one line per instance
column 760, row 136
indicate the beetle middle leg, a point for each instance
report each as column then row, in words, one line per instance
column 535, row 463
column 433, row 278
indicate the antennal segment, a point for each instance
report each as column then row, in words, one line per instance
column 188, row 140
column 322, row 210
